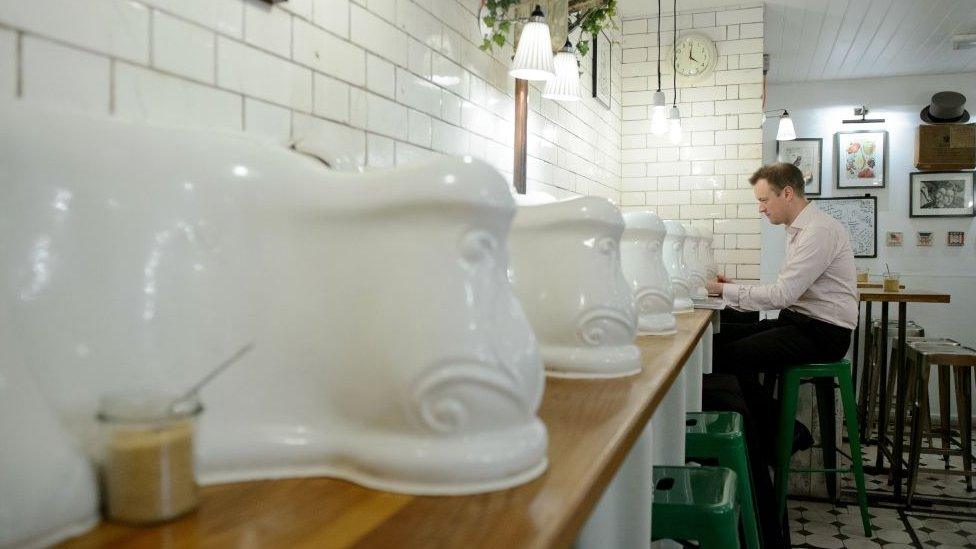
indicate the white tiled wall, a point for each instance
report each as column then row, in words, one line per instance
column 372, row 82
column 704, row 179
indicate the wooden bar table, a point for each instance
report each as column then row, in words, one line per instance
column 592, row 426
column 902, row 298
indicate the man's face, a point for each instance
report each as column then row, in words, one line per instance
column 772, row 205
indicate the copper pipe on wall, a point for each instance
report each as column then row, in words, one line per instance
column 521, row 116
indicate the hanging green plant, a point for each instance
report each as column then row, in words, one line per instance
column 591, row 16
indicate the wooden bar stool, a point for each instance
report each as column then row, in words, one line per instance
column 872, row 371
column 961, row 360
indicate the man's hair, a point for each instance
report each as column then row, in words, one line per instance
column 780, row 175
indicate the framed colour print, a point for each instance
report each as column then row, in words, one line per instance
column 941, row 194
column 804, row 153
column 861, row 159
column 602, row 51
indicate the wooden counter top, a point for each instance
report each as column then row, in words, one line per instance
column 906, row 296
column 592, row 425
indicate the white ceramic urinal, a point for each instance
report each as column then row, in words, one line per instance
column 642, row 258
column 390, row 349
column 706, row 254
column 565, row 269
column 696, row 271
column 47, row 485
column 674, row 246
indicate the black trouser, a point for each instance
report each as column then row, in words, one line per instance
column 746, row 350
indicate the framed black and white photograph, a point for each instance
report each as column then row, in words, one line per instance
column 859, row 215
column 861, row 159
column 804, row 153
column 941, row 194
column 602, row 50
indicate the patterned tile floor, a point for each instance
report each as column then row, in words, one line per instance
column 942, row 516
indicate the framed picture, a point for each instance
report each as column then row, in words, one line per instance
column 861, row 159
column 602, row 51
column 924, row 238
column 895, row 238
column 955, row 238
column 804, row 153
column 941, row 194
column 859, row 215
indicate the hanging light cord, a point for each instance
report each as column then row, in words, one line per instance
column 658, row 45
column 674, row 53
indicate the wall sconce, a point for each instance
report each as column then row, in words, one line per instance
column 533, row 58
column 786, row 131
column 863, row 111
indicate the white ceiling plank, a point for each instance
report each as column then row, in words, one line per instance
column 853, row 21
column 937, row 51
column 791, row 35
column 833, row 20
column 877, row 13
column 808, row 42
column 911, row 34
column 887, row 32
column 773, row 31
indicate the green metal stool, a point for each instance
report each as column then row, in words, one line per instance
column 823, row 376
column 696, row 503
column 720, row 436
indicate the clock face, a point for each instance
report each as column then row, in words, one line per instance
column 695, row 56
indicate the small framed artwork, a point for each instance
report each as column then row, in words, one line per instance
column 894, row 239
column 602, row 50
column 861, row 159
column 924, row 238
column 804, row 153
column 941, row 194
column 955, row 238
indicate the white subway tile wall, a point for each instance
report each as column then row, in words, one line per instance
column 703, row 180
column 372, row 83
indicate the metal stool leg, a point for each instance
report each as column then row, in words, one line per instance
column 944, row 402
column 964, row 414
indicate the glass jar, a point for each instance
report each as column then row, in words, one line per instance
column 891, row 283
column 147, row 468
column 862, row 274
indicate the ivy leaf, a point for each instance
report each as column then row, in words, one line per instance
column 499, row 39
column 504, row 26
column 486, row 45
column 583, row 47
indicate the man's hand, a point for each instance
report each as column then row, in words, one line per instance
column 714, row 287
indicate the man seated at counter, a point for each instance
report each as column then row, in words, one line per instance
column 815, row 292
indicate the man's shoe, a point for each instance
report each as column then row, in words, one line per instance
column 802, row 439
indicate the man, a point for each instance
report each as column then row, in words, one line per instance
column 816, row 293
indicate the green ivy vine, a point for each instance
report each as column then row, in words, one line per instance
column 591, row 21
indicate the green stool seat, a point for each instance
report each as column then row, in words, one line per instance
column 720, row 436
column 696, row 503
column 824, row 376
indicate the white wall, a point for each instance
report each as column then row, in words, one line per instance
column 817, row 110
column 380, row 82
column 705, row 178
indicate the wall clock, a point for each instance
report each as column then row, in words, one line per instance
column 696, row 56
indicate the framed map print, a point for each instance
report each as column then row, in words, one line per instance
column 804, row 153
column 861, row 159
column 859, row 215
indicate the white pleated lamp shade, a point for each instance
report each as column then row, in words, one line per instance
column 786, row 131
column 565, row 86
column 533, row 58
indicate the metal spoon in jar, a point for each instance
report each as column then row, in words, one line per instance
column 175, row 406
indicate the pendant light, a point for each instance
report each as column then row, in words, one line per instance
column 565, row 86
column 659, row 106
column 675, row 115
column 533, row 57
